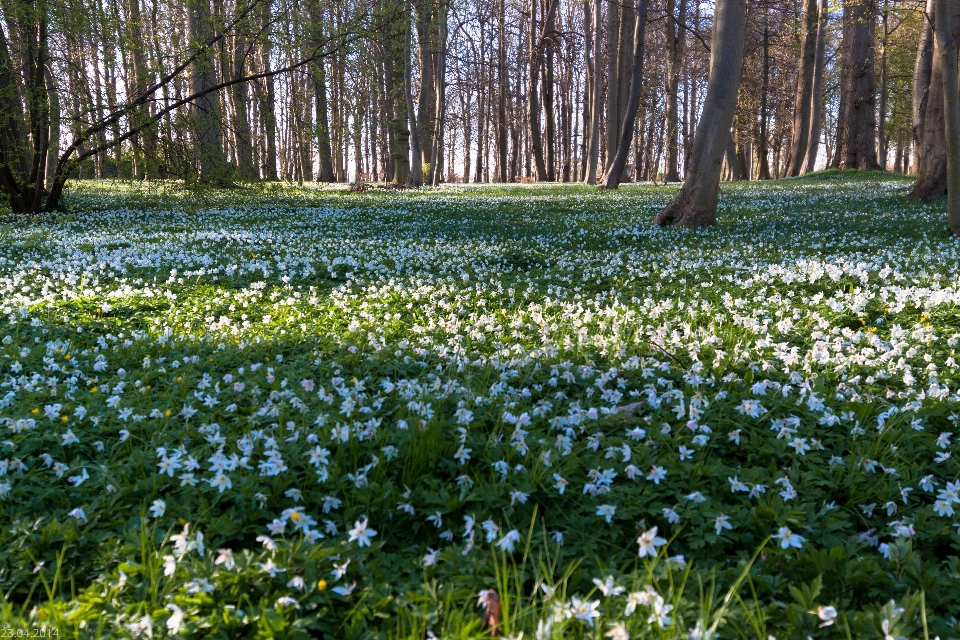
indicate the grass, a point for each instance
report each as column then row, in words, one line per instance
column 283, row 411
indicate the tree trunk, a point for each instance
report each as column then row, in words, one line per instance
column 882, row 120
column 696, row 204
column 859, row 140
column 922, row 77
column 930, row 142
column 946, row 26
column 239, row 95
column 763, row 166
column 676, row 36
column 803, row 98
column 537, row 37
column 615, row 170
column 440, row 92
column 816, row 94
column 325, row 153
column 503, row 88
column 416, row 153
column 211, row 163
column 593, row 72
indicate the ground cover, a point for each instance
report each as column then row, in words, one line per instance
column 283, row 412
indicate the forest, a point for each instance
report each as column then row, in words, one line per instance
column 425, row 92
column 466, row 319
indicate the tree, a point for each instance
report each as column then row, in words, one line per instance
column 25, row 99
column 696, row 204
column 612, row 179
column 947, row 30
column 857, row 121
column 803, row 102
column 930, row 144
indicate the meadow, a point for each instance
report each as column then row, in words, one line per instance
column 303, row 412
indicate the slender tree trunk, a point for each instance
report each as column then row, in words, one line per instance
column 593, row 150
column 763, row 166
column 696, row 204
column 440, row 92
column 416, row 152
column 676, row 36
column 503, row 88
column 882, row 119
column 612, row 179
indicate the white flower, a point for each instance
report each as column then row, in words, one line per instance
column 271, row 568
column 608, row 587
column 361, row 533
column 509, row 540
column 606, row 511
column 722, row 522
column 175, row 620
column 788, row 538
column 827, row 614
column 617, row 631
column 158, row 508
column 649, row 541
column 584, row 611
column 559, row 483
column 78, row 514
column 225, row 558
column 345, row 591
column 657, row 474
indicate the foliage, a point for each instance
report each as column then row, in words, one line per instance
column 280, row 412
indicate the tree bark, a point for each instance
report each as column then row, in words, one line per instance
column 676, row 36
column 593, row 72
column 211, row 162
column 929, row 125
column 859, row 139
column 615, row 170
column 803, row 98
column 816, row 95
column 415, row 178
column 946, row 27
column 696, row 204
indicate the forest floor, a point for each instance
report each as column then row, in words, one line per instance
column 278, row 412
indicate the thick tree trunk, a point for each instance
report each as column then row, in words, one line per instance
column 211, row 162
column 803, row 97
column 696, row 204
column 929, row 124
column 922, row 77
column 325, row 153
column 816, row 94
column 859, row 140
column 615, row 170
column 946, row 27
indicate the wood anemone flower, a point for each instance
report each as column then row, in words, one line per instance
column 490, row 602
